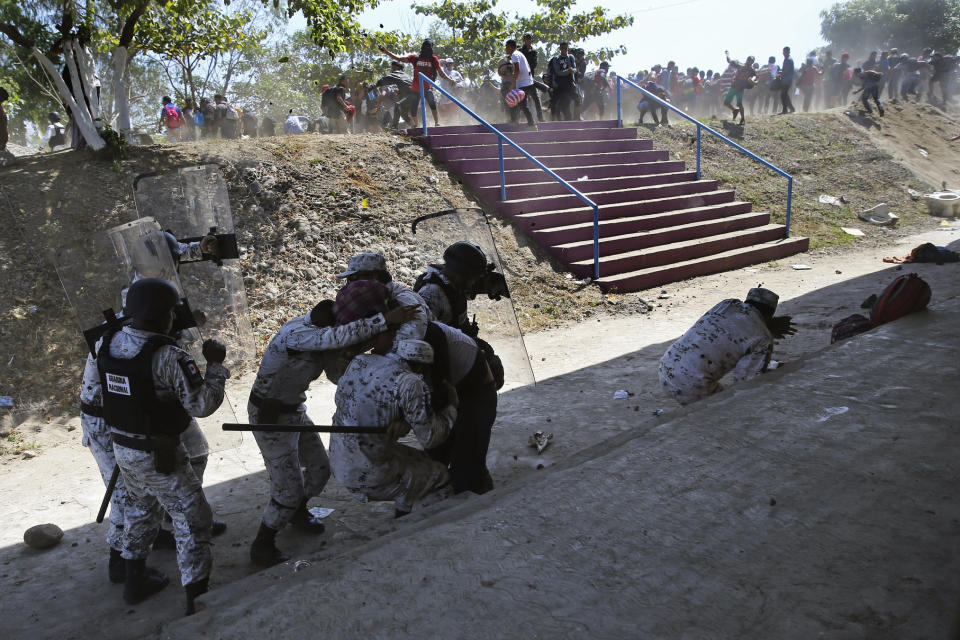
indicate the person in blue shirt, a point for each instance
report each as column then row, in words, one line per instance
column 786, row 77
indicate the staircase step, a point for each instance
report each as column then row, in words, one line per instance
column 577, row 124
column 568, row 200
column 480, row 179
column 524, row 137
column 554, row 188
column 464, row 128
column 633, row 224
column 582, row 214
column 683, row 250
column 557, row 162
column 583, row 249
column 539, row 149
column 705, row 265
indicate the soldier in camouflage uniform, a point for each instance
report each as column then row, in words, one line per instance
column 96, row 435
column 150, row 390
column 373, row 266
column 302, row 350
column 379, row 390
column 733, row 336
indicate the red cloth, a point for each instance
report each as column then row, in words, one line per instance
column 426, row 67
column 360, row 299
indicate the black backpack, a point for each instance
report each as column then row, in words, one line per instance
column 58, row 138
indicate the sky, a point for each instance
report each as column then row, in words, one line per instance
column 691, row 32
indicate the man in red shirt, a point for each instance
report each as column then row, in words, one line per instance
column 429, row 65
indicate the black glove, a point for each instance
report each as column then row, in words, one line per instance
column 495, row 286
column 214, row 351
column 781, row 326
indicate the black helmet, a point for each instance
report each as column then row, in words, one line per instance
column 465, row 258
column 150, row 298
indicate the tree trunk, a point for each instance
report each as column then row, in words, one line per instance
column 88, row 73
column 121, row 103
column 79, row 111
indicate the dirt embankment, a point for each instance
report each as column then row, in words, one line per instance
column 866, row 160
column 302, row 206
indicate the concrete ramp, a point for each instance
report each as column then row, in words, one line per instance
column 817, row 501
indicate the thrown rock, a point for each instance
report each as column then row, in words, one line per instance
column 540, row 441
column 43, row 536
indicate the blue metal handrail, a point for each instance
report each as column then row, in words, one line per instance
column 501, row 138
column 700, row 125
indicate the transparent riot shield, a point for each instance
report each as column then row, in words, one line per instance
column 496, row 318
column 96, row 272
column 190, row 203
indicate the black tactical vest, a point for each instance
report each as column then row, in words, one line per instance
column 130, row 401
column 458, row 301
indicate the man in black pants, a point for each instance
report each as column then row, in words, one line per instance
column 562, row 70
column 786, row 78
column 531, row 55
column 459, row 361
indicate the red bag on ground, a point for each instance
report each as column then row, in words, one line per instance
column 904, row 295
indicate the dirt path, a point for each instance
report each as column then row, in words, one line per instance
column 577, row 365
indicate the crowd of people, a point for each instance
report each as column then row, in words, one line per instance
column 566, row 89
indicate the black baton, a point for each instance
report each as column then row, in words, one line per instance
column 108, row 494
column 300, row 428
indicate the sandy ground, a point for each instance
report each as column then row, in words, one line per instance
column 576, row 365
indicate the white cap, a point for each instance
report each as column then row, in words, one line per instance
column 415, row 351
column 364, row 262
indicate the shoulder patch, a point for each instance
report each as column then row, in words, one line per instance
column 191, row 371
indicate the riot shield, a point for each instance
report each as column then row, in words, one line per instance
column 496, row 318
column 192, row 202
column 95, row 273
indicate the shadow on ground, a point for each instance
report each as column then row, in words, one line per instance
column 64, row 591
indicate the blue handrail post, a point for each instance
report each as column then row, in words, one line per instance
column 423, row 104
column 596, row 242
column 789, row 202
column 501, row 138
column 698, row 151
column 503, row 181
column 714, row 133
column 619, row 110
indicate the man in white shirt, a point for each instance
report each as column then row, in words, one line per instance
column 521, row 80
column 296, row 125
column 56, row 134
column 451, row 83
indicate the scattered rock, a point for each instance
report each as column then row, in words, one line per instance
column 43, row 536
column 29, row 453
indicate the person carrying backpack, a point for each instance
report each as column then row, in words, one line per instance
column 56, row 134
column 171, row 117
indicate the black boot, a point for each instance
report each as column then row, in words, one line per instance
column 164, row 540
column 305, row 521
column 219, row 528
column 115, row 568
column 195, row 590
column 141, row 581
column 264, row 550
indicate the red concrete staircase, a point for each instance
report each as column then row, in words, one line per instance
column 658, row 222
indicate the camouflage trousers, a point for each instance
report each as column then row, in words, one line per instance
column 686, row 388
column 297, row 465
column 96, row 437
column 180, row 494
column 421, row 483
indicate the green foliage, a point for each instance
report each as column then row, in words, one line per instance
column 187, row 32
column 116, row 148
column 475, row 30
column 909, row 25
column 331, row 23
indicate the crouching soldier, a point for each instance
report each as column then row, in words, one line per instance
column 459, row 361
column 301, row 352
column 386, row 389
column 733, row 336
column 150, row 390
